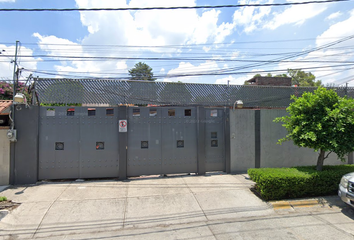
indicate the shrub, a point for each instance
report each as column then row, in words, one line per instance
column 297, row 182
column 2, row 199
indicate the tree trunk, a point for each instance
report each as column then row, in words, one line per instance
column 320, row 160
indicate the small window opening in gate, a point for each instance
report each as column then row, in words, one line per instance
column 99, row 145
column 50, row 112
column 144, row 144
column 59, row 146
column 180, row 144
column 214, row 113
column 153, row 112
column 109, row 112
column 91, row 112
column 70, row 112
column 136, row 112
column 214, row 135
column 171, row 112
column 187, row 112
column 214, row 143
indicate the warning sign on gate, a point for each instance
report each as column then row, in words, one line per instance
column 123, row 125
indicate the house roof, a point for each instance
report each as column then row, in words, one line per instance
column 5, row 107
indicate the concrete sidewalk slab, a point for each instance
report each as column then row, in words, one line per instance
column 95, row 190
column 75, row 217
column 41, row 192
column 163, row 210
column 157, row 187
column 2, row 188
column 55, row 210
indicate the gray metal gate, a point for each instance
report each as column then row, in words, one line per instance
column 214, row 139
column 164, row 140
column 78, row 142
column 82, row 142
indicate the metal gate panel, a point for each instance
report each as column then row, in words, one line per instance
column 99, row 143
column 59, row 146
column 179, row 140
column 144, row 141
column 214, row 140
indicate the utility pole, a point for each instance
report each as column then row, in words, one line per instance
column 15, row 75
column 346, row 89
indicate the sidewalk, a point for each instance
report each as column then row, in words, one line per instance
column 214, row 206
column 64, row 208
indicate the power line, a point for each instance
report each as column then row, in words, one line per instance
column 162, row 8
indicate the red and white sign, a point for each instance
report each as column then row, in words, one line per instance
column 123, row 125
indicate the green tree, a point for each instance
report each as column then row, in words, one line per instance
column 141, row 71
column 303, row 79
column 322, row 121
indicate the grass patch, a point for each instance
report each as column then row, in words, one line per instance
column 297, row 182
column 3, row 199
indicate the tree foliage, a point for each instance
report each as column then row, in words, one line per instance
column 322, row 121
column 6, row 91
column 142, row 72
column 303, row 79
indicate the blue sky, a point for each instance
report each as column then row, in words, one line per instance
column 222, row 45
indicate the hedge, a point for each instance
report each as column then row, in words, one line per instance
column 297, row 182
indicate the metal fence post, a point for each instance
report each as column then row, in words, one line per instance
column 201, row 140
column 123, row 145
column 227, row 140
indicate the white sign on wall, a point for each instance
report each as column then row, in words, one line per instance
column 123, row 125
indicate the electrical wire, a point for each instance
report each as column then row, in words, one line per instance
column 163, row 8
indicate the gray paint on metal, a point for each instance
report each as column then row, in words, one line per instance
column 201, row 140
column 174, row 128
column 227, row 141
column 143, row 127
column 214, row 156
column 79, row 133
column 162, row 132
column 123, row 144
column 24, row 167
column 257, row 132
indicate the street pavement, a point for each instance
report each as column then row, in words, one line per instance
column 213, row 206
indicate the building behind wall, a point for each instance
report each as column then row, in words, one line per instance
column 270, row 81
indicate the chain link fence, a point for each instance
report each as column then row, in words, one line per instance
column 113, row 92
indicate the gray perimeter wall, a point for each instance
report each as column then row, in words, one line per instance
column 4, row 158
column 243, row 150
column 242, row 140
column 25, row 159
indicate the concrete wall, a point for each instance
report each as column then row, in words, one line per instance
column 244, row 151
column 242, row 139
column 287, row 154
column 4, row 158
column 24, row 162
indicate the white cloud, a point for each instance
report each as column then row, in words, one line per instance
column 334, row 15
column 154, row 27
column 330, row 55
column 296, row 14
column 254, row 18
column 59, row 47
column 7, row 0
column 251, row 18
column 186, row 68
column 7, row 66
